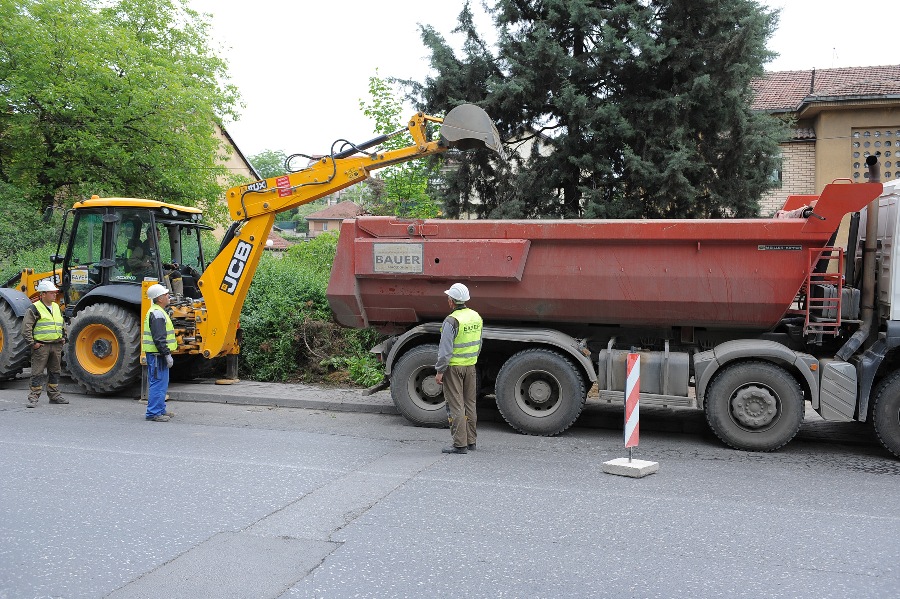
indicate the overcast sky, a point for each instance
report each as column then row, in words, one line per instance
column 303, row 67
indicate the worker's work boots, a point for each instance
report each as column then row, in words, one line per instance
column 55, row 395
column 33, row 396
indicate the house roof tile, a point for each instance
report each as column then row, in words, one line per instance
column 342, row 210
column 787, row 91
column 279, row 243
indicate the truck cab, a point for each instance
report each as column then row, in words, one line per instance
column 114, row 244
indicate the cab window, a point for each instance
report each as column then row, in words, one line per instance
column 134, row 249
column 83, row 272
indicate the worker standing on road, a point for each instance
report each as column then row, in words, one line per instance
column 158, row 343
column 457, row 355
column 43, row 331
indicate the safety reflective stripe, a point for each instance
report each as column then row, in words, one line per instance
column 467, row 343
column 49, row 327
column 147, row 343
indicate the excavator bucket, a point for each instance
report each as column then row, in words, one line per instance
column 468, row 127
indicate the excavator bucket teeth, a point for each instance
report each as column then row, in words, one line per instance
column 467, row 127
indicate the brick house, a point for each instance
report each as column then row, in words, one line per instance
column 330, row 218
column 841, row 116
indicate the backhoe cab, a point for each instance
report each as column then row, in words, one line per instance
column 116, row 246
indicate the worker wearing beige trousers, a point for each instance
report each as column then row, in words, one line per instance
column 43, row 331
column 457, row 355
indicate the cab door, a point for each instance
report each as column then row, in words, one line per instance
column 83, row 267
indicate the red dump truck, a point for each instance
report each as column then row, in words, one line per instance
column 745, row 319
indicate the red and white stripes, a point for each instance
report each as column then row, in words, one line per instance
column 632, row 391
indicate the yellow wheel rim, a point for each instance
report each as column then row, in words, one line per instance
column 97, row 349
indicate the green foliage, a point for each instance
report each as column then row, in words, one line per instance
column 629, row 108
column 117, row 98
column 404, row 191
column 269, row 163
column 364, row 369
column 26, row 241
column 286, row 320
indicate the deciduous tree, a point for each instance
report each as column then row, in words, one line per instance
column 117, row 98
column 405, row 190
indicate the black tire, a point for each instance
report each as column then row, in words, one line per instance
column 103, row 350
column 14, row 351
column 754, row 406
column 540, row 392
column 415, row 393
column 886, row 413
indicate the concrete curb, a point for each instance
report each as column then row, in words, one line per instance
column 340, row 399
column 251, row 393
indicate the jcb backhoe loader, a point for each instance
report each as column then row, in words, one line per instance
column 115, row 246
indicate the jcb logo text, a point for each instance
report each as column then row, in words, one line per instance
column 236, row 267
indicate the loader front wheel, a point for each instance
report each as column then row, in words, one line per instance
column 103, row 349
column 886, row 413
column 413, row 388
column 14, row 350
column 540, row 392
column 754, row 406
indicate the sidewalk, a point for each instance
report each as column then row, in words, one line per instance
column 341, row 399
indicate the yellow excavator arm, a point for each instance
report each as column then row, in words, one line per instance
column 253, row 208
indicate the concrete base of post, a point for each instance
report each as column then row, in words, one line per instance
column 633, row 468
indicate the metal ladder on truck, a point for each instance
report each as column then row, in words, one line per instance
column 824, row 291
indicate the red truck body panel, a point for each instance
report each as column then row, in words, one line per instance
column 735, row 274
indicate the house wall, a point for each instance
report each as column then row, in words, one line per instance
column 834, row 142
column 798, row 175
column 235, row 163
column 317, row 227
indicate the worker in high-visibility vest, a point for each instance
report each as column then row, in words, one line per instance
column 158, row 343
column 43, row 329
column 457, row 354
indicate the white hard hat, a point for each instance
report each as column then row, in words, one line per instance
column 458, row 292
column 46, row 285
column 156, row 290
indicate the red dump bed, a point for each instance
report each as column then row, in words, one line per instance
column 745, row 273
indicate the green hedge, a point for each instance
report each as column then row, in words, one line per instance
column 287, row 324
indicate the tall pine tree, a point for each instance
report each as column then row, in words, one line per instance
column 629, row 109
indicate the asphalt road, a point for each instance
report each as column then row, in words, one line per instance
column 257, row 501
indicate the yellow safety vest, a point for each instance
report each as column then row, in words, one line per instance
column 467, row 343
column 49, row 327
column 147, row 342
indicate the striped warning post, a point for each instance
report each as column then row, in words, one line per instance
column 632, row 392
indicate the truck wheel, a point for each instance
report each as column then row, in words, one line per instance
column 886, row 413
column 103, row 351
column 13, row 348
column 754, row 406
column 416, row 394
column 540, row 392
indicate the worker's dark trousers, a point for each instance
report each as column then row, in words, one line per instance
column 459, row 391
column 47, row 357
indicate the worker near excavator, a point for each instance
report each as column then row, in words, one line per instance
column 457, row 355
column 158, row 343
column 43, row 329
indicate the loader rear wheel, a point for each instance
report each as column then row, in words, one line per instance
column 886, row 413
column 14, row 350
column 540, row 392
column 103, row 351
column 754, row 406
column 413, row 388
